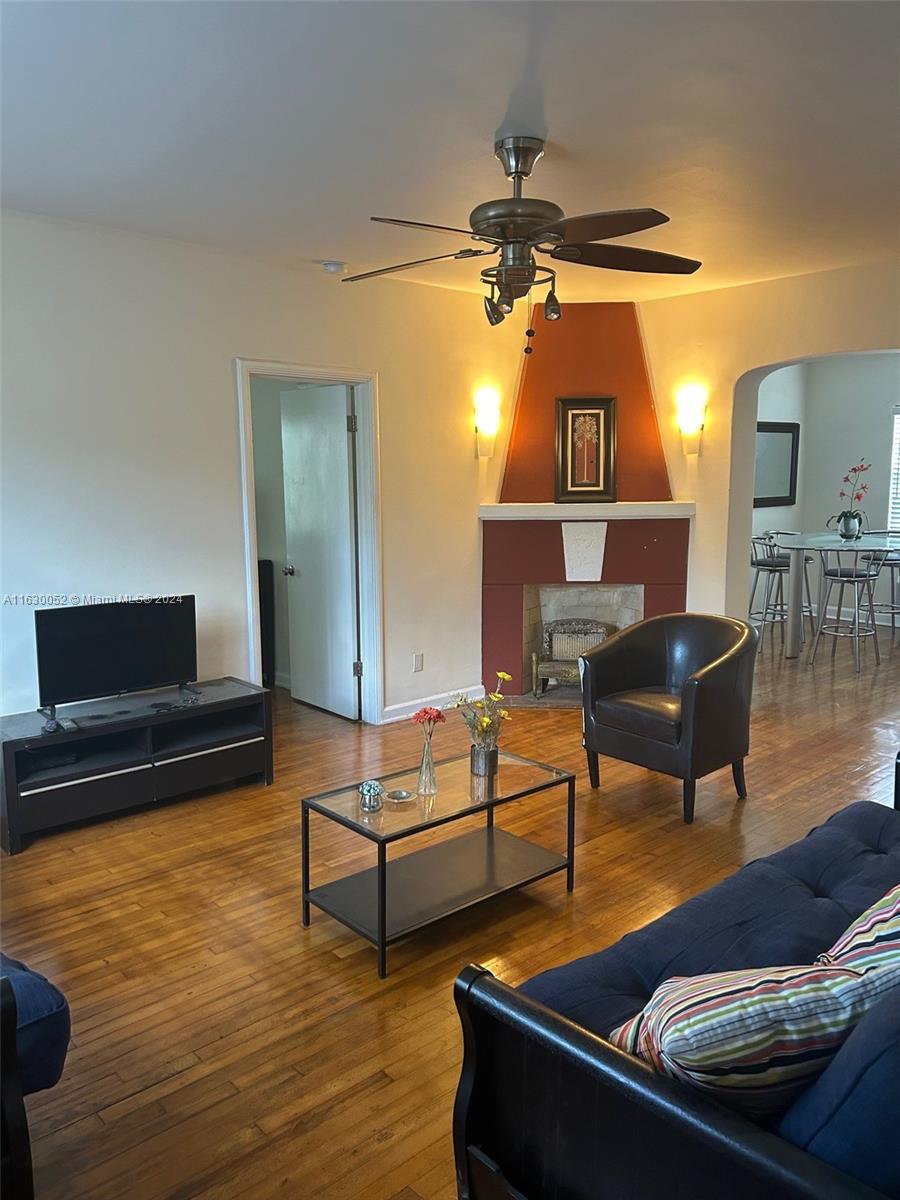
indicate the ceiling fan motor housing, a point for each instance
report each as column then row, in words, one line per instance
column 514, row 217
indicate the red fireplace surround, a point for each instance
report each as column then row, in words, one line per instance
column 516, row 553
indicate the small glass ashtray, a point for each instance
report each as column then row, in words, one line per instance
column 400, row 795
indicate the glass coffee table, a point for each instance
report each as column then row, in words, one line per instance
column 398, row 896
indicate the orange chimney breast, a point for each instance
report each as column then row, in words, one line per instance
column 595, row 350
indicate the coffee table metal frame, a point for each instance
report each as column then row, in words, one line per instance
column 513, row 861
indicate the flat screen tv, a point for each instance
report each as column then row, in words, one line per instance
column 104, row 649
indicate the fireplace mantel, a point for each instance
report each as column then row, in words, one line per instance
column 634, row 510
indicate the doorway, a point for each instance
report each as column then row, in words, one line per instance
column 312, row 535
column 841, row 404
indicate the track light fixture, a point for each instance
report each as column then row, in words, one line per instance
column 505, row 300
column 493, row 311
column 552, row 311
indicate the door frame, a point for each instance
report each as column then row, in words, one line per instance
column 365, row 385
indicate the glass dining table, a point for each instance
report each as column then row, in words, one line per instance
column 797, row 545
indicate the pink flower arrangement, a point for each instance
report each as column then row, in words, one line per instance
column 856, row 490
column 428, row 717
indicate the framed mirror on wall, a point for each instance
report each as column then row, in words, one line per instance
column 777, row 453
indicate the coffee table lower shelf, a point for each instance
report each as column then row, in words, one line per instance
column 426, row 885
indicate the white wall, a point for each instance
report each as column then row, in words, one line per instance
column 268, row 480
column 849, row 405
column 120, row 437
column 120, row 440
column 782, row 397
column 731, row 339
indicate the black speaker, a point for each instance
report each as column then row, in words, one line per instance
column 267, row 619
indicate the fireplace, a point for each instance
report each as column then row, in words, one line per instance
column 600, row 552
column 616, row 605
column 631, row 565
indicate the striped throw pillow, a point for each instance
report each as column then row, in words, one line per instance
column 864, row 944
column 755, row 1039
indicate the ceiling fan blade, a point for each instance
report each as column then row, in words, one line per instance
column 626, row 258
column 595, row 227
column 422, row 225
column 418, row 263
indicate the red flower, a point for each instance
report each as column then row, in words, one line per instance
column 428, row 716
column 858, row 497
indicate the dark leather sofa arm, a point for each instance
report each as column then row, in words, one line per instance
column 546, row 1110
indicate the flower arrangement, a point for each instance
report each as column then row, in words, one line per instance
column 484, row 718
column 849, row 520
column 427, row 718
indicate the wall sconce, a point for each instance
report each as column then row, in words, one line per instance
column 690, row 413
column 487, row 420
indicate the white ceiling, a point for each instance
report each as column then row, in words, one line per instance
column 767, row 131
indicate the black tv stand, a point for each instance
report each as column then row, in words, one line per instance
column 111, row 756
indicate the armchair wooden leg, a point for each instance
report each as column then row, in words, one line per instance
column 690, row 788
column 593, row 761
column 737, row 770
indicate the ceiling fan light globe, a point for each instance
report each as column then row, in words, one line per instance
column 552, row 310
column 505, row 301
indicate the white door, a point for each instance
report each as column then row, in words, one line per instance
column 320, row 535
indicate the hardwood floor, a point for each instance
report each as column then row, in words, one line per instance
column 220, row 1050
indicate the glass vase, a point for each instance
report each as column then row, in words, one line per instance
column 427, row 784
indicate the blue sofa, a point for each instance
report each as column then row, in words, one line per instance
column 34, row 1030
column 547, row 1108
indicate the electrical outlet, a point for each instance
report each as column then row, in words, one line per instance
column 418, row 660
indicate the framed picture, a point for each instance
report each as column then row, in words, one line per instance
column 777, row 451
column 586, row 449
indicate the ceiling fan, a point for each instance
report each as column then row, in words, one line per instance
column 518, row 227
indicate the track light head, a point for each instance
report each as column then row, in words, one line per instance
column 493, row 311
column 552, row 310
column 505, row 300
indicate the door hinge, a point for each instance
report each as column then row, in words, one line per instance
column 352, row 423
column 357, row 670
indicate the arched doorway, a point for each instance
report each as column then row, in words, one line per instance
column 836, row 407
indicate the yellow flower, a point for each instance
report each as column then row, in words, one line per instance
column 495, row 696
column 484, row 722
column 503, row 675
column 504, row 714
column 479, row 704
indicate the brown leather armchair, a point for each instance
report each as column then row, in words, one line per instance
column 672, row 693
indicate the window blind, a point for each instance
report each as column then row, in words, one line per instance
column 894, row 503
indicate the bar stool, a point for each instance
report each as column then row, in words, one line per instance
column 773, row 566
column 892, row 566
column 859, row 572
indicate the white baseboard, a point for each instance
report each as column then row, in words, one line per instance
column 847, row 615
column 402, row 712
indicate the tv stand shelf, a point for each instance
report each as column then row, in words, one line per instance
column 130, row 751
